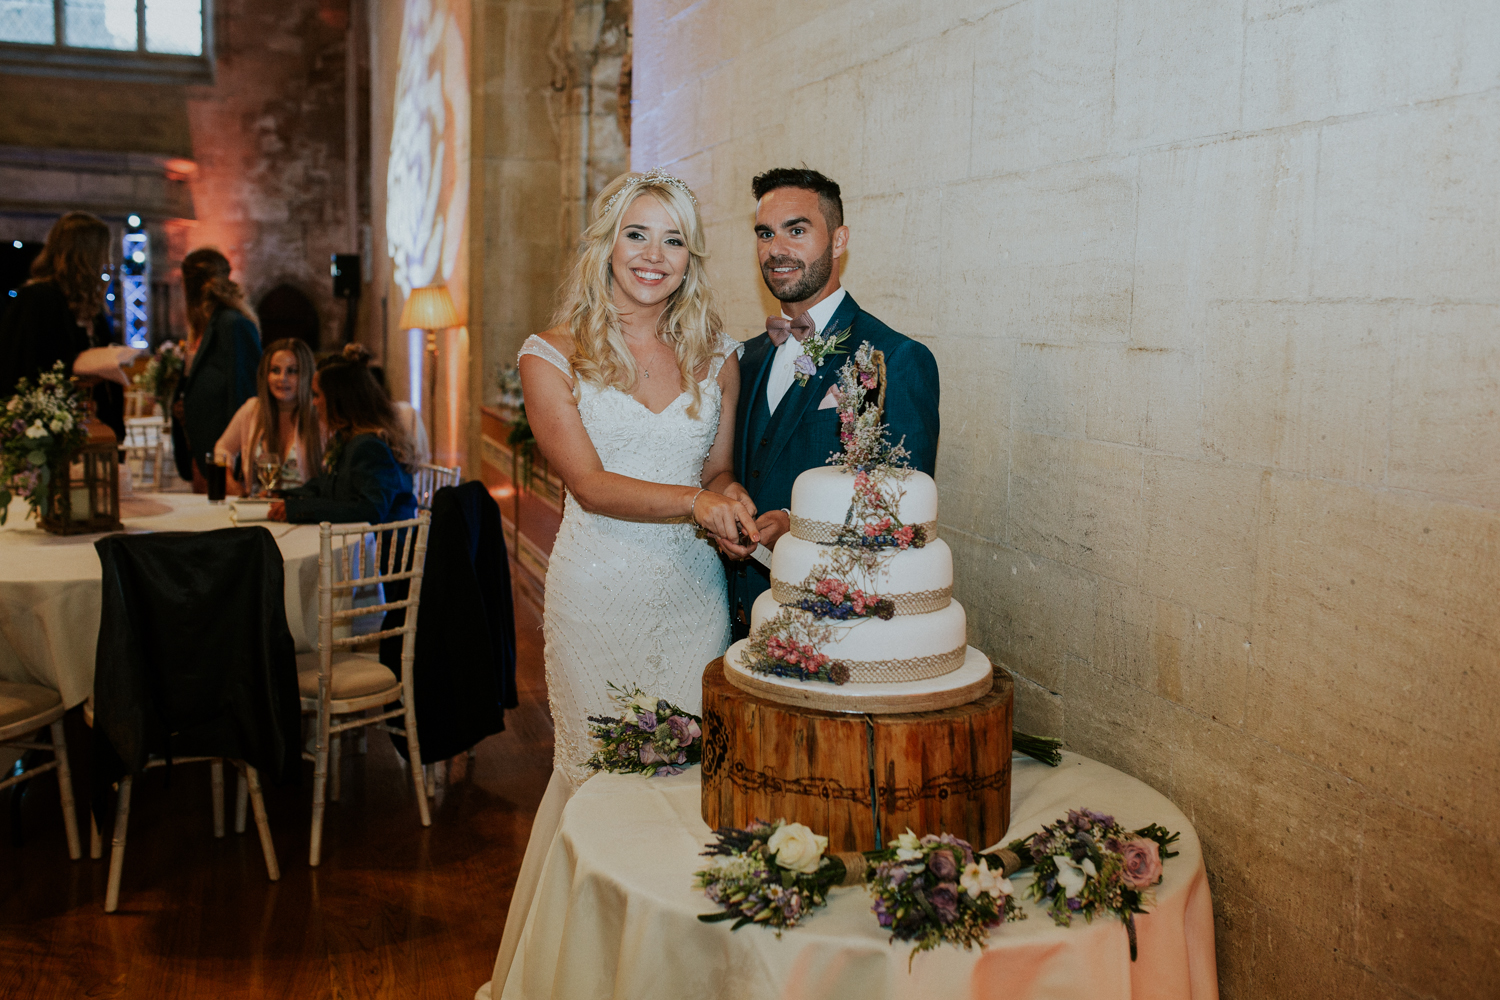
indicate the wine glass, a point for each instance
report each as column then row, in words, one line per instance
column 268, row 471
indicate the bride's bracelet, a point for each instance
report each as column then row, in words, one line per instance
column 692, row 516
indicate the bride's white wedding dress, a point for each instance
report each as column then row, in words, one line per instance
column 632, row 603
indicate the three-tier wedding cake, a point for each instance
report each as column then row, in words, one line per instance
column 856, row 705
column 860, row 616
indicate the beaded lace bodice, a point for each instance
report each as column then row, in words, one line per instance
column 627, row 602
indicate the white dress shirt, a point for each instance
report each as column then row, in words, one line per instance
column 779, row 379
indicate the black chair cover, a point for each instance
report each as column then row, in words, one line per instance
column 466, row 627
column 194, row 656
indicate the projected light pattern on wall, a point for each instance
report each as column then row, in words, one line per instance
column 427, row 182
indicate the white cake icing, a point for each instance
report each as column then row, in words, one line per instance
column 870, row 640
column 824, row 494
column 918, row 656
column 929, row 568
column 970, row 681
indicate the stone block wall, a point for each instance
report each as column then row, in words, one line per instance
column 1215, row 293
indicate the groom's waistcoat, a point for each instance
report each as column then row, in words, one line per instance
column 773, row 449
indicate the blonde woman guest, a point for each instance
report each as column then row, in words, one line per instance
column 632, row 399
column 279, row 419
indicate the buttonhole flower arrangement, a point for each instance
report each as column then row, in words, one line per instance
column 770, row 873
column 1088, row 865
column 816, row 349
column 651, row 736
column 934, row 890
column 41, row 426
column 787, row 645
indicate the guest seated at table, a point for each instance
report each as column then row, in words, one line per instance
column 223, row 351
column 416, row 431
column 278, row 420
column 366, row 474
column 59, row 313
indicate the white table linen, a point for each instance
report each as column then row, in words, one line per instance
column 615, row 914
column 50, row 590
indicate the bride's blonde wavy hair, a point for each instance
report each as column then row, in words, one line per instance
column 690, row 324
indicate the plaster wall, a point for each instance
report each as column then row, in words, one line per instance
column 1214, row 289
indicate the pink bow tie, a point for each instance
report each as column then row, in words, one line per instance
column 777, row 328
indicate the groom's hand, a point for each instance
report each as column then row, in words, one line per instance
column 772, row 525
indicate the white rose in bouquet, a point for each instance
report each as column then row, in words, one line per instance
column 796, row 847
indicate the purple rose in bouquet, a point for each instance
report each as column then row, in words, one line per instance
column 686, row 730
column 940, row 863
column 944, row 899
column 1142, row 863
column 646, row 721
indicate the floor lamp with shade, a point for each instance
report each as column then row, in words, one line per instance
column 430, row 308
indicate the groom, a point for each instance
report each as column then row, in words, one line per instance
column 783, row 427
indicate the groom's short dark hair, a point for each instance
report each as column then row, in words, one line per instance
column 804, row 177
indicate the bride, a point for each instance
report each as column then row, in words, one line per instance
column 632, row 398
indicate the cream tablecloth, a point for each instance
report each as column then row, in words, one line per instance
column 50, row 587
column 615, row 914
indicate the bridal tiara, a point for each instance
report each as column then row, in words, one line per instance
column 656, row 174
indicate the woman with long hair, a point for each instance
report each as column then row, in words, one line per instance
column 278, row 420
column 366, row 472
column 632, row 398
column 59, row 313
column 223, row 355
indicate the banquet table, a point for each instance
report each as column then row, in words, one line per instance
column 50, row 587
column 615, row 913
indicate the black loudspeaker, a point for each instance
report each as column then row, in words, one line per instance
column 346, row 275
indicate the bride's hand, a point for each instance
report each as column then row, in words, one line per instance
column 735, row 491
column 722, row 517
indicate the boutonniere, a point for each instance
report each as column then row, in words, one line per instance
column 816, row 349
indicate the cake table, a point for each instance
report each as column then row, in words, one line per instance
column 615, row 914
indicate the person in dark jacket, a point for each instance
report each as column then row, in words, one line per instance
column 366, row 474
column 59, row 313
column 224, row 353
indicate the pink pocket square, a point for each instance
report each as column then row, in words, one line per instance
column 831, row 400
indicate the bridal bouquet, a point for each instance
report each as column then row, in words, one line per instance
column 651, row 736
column 1088, row 865
column 41, row 427
column 935, row 889
column 769, row 873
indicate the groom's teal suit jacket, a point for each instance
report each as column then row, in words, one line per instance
column 772, row 449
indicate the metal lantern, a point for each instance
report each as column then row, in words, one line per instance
column 85, row 495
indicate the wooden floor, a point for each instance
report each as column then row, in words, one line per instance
column 393, row 911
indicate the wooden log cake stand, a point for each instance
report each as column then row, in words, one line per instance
column 861, row 780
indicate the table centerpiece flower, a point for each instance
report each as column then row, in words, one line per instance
column 41, row 428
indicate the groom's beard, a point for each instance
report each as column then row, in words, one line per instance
column 814, row 276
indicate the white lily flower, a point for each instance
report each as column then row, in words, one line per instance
column 1069, row 875
column 908, row 846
